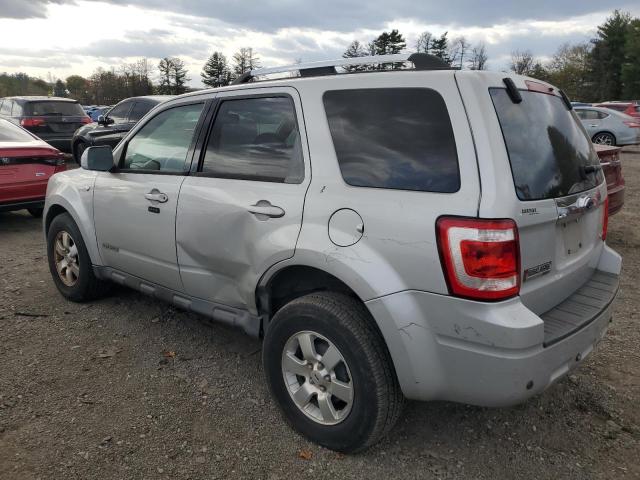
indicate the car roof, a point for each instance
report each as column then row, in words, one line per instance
column 151, row 98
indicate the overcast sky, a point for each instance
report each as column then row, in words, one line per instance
column 58, row 38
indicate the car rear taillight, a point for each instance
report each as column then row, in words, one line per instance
column 480, row 258
column 605, row 219
column 32, row 122
column 86, row 120
column 632, row 124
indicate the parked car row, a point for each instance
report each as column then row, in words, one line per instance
column 611, row 123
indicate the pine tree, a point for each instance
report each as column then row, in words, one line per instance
column 216, row 71
column 164, row 67
column 631, row 67
column 440, row 48
column 389, row 43
column 179, row 76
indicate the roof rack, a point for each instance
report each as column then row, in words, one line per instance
column 421, row 61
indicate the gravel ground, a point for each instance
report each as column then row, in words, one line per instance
column 129, row 388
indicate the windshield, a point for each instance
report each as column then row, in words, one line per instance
column 54, row 108
column 548, row 148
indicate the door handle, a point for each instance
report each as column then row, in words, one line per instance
column 156, row 196
column 264, row 210
column 593, row 126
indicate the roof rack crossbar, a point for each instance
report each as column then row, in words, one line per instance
column 421, row 61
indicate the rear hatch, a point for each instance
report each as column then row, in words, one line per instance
column 53, row 118
column 539, row 168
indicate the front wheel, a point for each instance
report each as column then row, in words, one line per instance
column 604, row 138
column 69, row 261
column 329, row 370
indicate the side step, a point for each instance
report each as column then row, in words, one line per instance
column 235, row 317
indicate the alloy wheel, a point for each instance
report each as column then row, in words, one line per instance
column 66, row 258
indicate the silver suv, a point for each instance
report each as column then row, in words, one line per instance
column 423, row 233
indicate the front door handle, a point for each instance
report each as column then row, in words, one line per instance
column 263, row 210
column 156, row 196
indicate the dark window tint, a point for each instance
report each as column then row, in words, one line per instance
column 53, row 108
column 398, row 138
column 120, row 112
column 139, row 110
column 161, row 145
column 547, row 147
column 255, row 139
column 12, row 133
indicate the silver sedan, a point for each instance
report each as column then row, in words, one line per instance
column 608, row 127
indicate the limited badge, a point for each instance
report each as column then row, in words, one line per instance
column 537, row 270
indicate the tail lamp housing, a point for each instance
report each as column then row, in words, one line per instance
column 480, row 258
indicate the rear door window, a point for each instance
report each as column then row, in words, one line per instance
column 139, row 110
column 255, row 139
column 120, row 112
column 548, row 148
column 396, row 138
column 53, row 108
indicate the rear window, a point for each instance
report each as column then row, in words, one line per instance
column 548, row 148
column 53, row 108
column 12, row 133
column 397, row 138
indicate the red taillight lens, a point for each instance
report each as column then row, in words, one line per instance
column 31, row 122
column 86, row 120
column 605, row 219
column 480, row 258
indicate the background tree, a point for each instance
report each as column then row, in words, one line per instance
column 244, row 60
column 631, row 66
column 478, row 57
column 458, row 51
column 608, row 56
column 389, row 43
column 570, row 69
column 440, row 47
column 354, row 50
column 164, row 68
column 178, row 76
column 77, row 87
column 423, row 44
column 59, row 89
column 522, row 62
column 22, row 84
column 216, row 71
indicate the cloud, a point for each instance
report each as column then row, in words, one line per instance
column 27, row 8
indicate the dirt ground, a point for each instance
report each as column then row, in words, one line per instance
column 130, row 388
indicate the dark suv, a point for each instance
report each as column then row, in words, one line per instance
column 52, row 119
column 111, row 127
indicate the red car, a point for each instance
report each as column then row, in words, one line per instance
column 612, row 168
column 629, row 108
column 26, row 163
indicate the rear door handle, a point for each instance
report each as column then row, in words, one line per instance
column 156, row 196
column 264, row 210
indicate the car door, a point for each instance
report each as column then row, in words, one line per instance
column 111, row 133
column 241, row 212
column 135, row 205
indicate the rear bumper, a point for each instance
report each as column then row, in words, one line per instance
column 489, row 354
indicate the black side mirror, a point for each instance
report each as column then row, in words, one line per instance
column 99, row 159
column 102, row 120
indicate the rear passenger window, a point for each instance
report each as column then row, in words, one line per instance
column 255, row 139
column 397, row 138
column 161, row 145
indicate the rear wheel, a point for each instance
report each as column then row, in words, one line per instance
column 330, row 372
column 36, row 212
column 604, row 138
column 69, row 262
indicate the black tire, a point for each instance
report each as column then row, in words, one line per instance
column 35, row 212
column 604, row 138
column 87, row 286
column 80, row 147
column 344, row 321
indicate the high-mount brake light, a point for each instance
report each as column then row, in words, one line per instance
column 480, row 258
